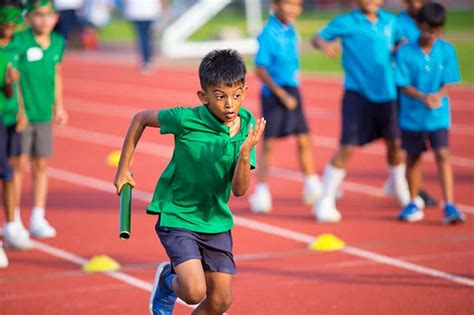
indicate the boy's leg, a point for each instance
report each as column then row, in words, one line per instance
column 190, row 282
column 261, row 200
column 414, row 174
column 312, row 185
column 218, row 295
column 445, row 174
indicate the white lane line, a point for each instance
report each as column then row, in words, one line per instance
column 166, row 151
column 127, row 112
column 101, row 185
column 78, row 260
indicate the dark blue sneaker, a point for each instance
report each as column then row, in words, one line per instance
column 452, row 215
column 162, row 298
column 429, row 200
column 411, row 213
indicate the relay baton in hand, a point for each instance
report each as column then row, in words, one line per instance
column 125, row 211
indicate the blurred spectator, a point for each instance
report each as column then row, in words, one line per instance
column 68, row 19
column 143, row 13
column 96, row 15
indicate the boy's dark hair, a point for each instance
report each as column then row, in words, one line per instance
column 222, row 66
column 433, row 14
column 12, row 3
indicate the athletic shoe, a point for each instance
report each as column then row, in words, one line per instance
column 261, row 200
column 311, row 190
column 452, row 215
column 411, row 213
column 162, row 299
column 14, row 237
column 3, row 257
column 40, row 227
column 429, row 200
column 325, row 210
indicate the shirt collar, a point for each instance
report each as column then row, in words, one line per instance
column 275, row 22
column 216, row 125
column 360, row 17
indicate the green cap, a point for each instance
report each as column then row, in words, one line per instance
column 11, row 15
column 32, row 5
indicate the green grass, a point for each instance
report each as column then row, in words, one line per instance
column 459, row 31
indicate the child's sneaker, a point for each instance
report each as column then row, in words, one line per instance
column 325, row 210
column 261, row 200
column 452, row 215
column 162, row 299
column 14, row 237
column 429, row 200
column 311, row 189
column 40, row 227
column 411, row 213
column 3, row 257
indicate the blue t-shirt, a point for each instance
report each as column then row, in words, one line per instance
column 367, row 52
column 408, row 27
column 427, row 73
column 278, row 53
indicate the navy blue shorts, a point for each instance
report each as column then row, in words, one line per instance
column 214, row 250
column 281, row 121
column 5, row 169
column 364, row 121
column 415, row 142
column 13, row 141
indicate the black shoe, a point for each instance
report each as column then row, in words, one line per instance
column 429, row 201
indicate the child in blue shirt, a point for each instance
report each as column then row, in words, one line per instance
column 369, row 36
column 277, row 66
column 425, row 70
column 407, row 20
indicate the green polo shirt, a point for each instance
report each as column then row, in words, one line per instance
column 38, row 74
column 194, row 189
column 3, row 71
column 12, row 54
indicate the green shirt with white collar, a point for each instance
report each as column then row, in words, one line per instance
column 194, row 189
column 38, row 74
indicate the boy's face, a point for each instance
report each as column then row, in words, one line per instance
column 287, row 11
column 224, row 101
column 413, row 6
column 369, row 6
column 43, row 20
column 9, row 18
column 429, row 34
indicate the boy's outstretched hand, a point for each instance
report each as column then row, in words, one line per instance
column 121, row 178
column 253, row 136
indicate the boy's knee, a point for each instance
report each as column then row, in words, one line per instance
column 442, row 155
column 40, row 164
column 220, row 302
column 193, row 295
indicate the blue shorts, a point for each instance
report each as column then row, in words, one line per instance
column 214, row 250
column 13, row 141
column 364, row 121
column 5, row 169
column 281, row 121
column 415, row 142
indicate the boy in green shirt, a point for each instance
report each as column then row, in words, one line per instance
column 213, row 155
column 14, row 119
column 7, row 78
column 41, row 84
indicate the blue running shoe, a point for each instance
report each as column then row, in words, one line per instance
column 162, row 298
column 452, row 215
column 411, row 213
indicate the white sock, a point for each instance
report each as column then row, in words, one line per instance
column 418, row 201
column 311, row 180
column 397, row 173
column 37, row 212
column 17, row 215
column 262, row 186
column 332, row 179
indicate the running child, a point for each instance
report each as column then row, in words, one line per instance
column 213, row 155
column 278, row 66
column 426, row 69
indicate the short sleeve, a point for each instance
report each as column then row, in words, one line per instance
column 402, row 71
column 451, row 72
column 171, row 120
column 263, row 57
column 336, row 28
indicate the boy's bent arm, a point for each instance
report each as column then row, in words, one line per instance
column 241, row 179
column 329, row 48
column 287, row 99
column 140, row 121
